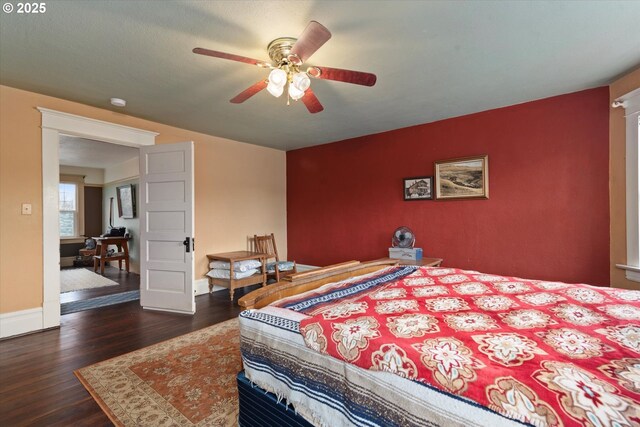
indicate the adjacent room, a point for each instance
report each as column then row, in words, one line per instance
column 320, row 213
column 98, row 182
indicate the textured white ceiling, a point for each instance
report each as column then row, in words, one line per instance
column 93, row 154
column 433, row 59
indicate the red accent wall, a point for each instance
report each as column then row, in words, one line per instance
column 548, row 212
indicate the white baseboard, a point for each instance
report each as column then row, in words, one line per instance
column 20, row 322
column 201, row 287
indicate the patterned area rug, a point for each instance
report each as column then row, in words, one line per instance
column 186, row 381
column 74, row 279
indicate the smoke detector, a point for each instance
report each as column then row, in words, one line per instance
column 117, row 102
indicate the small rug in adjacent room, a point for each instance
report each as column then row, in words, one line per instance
column 97, row 302
column 74, row 279
column 189, row 380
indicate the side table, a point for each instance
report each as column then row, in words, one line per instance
column 233, row 257
column 102, row 243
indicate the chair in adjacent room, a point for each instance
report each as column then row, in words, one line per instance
column 275, row 269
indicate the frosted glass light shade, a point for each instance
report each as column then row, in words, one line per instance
column 301, row 81
column 278, row 77
column 275, row 90
column 295, row 93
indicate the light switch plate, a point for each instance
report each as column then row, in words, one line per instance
column 26, row 209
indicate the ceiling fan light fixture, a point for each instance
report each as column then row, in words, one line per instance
column 301, row 81
column 295, row 93
column 278, row 77
column 274, row 89
column 287, row 55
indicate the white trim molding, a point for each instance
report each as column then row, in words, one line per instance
column 201, row 287
column 55, row 123
column 631, row 104
column 20, row 322
column 71, row 240
column 95, row 129
column 632, row 273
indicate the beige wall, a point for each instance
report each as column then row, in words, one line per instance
column 240, row 190
column 617, row 148
column 128, row 169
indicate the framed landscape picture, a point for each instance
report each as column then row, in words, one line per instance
column 464, row 178
column 418, row 188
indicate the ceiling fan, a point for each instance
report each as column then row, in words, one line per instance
column 287, row 56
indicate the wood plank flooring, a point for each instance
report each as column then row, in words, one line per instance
column 37, row 385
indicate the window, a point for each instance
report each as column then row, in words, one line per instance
column 71, row 206
column 631, row 104
column 68, row 206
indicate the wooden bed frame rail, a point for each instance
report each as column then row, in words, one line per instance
column 320, row 270
column 309, row 280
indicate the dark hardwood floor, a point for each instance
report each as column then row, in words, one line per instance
column 126, row 281
column 37, row 385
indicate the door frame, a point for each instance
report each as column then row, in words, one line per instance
column 55, row 123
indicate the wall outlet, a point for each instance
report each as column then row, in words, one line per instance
column 26, row 209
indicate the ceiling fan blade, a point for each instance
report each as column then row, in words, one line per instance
column 347, row 76
column 311, row 39
column 249, row 92
column 311, row 101
column 230, row 56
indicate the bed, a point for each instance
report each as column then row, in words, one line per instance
column 574, row 361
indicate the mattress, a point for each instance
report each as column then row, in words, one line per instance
column 440, row 346
column 330, row 392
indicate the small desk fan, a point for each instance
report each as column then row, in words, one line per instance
column 403, row 237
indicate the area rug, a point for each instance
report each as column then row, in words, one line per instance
column 74, row 279
column 185, row 381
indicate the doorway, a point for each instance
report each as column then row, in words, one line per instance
column 96, row 180
column 55, row 123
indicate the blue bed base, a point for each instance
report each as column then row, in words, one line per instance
column 259, row 408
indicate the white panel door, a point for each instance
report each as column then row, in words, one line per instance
column 166, row 227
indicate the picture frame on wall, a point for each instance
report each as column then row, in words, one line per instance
column 418, row 188
column 462, row 178
column 126, row 195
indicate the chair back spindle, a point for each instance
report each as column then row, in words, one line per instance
column 267, row 245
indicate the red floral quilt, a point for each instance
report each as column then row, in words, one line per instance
column 547, row 353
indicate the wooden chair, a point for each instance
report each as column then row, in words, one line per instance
column 267, row 245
